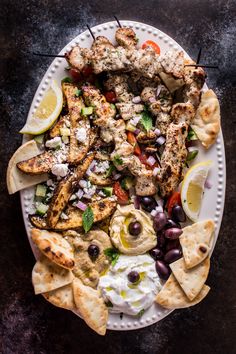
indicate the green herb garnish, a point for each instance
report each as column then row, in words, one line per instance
column 78, row 93
column 109, row 304
column 117, row 160
column 141, row 312
column 87, row 218
column 113, row 254
column 67, row 79
column 191, row 155
column 109, row 171
column 192, row 135
column 146, row 121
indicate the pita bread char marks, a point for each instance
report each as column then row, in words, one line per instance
column 196, row 242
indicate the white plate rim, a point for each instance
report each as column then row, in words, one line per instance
column 84, row 39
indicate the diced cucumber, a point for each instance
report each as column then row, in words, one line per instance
column 113, row 106
column 107, row 191
column 39, row 138
column 127, row 183
column 41, row 209
column 41, row 190
column 130, row 127
column 86, row 111
column 65, row 131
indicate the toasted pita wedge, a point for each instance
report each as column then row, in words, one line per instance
column 206, row 122
column 61, row 123
column 172, row 296
column 64, row 191
column 17, row 180
column 91, row 306
column 62, row 297
column 75, row 104
column 191, row 280
column 54, row 247
column 48, row 276
column 101, row 210
column 196, row 241
column 38, row 164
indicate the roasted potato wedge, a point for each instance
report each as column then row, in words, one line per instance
column 38, row 164
column 101, row 210
column 99, row 180
column 77, row 150
column 61, row 123
column 64, row 191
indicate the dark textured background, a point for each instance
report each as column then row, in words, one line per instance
column 28, row 323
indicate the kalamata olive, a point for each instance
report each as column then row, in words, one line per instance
column 171, row 223
column 161, row 240
column 156, row 253
column 135, row 228
column 159, row 221
column 172, row 244
column 93, row 251
column 148, row 203
column 173, row 233
column 163, row 270
column 133, row 276
column 178, row 213
column 173, row 255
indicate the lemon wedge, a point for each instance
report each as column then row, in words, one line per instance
column 47, row 112
column 193, row 187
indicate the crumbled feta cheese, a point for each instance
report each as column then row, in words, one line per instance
column 63, row 216
column 61, row 155
column 50, row 183
column 65, row 139
column 101, row 167
column 83, row 183
column 54, row 143
column 81, row 135
column 60, row 169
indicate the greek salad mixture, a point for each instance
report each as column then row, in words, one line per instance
column 115, row 180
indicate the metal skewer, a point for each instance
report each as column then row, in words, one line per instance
column 48, row 55
column 119, row 24
column 204, row 66
column 90, row 31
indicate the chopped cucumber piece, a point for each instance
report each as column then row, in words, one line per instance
column 65, row 131
column 191, row 135
column 39, row 138
column 127, row 183
column 41, row 209
column 41, row 190
column 107, row 191
column 67, row 79
column 130, row 127
column 86, row 111
column 113, row 106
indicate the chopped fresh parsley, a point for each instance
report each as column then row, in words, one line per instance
column 109, row 171
column 67, row 79
column 192, row 155
column 192, row 135
column 78, row 93
column 117, row 160
column 113, row 254
column 87, row 219
column 109, row 304
column 146, row 121
column 141, row 312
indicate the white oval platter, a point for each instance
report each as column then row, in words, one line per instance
column 213, row 202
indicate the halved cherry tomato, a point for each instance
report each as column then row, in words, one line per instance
column 172, row 201
column 132, row 140
column 75, row 74
column 153, row 45
column 143, row 158
column 87, row 70
column 122, row 195
column 110, row 96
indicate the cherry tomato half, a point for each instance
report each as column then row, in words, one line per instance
column 110, row 96
column 122, row 195
column 153, row 45
column 132, row 140
column 75, row 74
column 173, row 200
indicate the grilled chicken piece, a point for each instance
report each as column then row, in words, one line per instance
column 182, row 113
column 129, row 110
column 146, row 138
column 119, row 84
column 194, row 79
column 64, row 190
column 38, row 164
column 172, row 63
column 173, row 158
column 78, row 149
column 163, row 121
column 158, row 99
column 106, row 57
column 101, row 210
column 103, row 109
column 126, row 37
column 79, row 57
column 63, row 122
column 145, row 61
column 99, row 180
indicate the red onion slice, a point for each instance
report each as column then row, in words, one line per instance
column 161, row 140
column 208, row 184
column 155, row 171
column 137, row 131
column 151, row 161
column 81, row 206
column 157, row 132
column 158, row 90
column 152, row 99
column 136, row 99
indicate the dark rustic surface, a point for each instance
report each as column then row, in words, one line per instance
column 28, row 323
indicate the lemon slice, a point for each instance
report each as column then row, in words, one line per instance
column 193, row 187
column 47, row 112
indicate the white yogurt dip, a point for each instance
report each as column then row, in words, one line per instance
column 127, row 297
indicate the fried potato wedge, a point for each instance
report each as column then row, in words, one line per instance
column 38, row 164
column 101, row 210
column 61, row 123
column 78, row 150
column 64, row 191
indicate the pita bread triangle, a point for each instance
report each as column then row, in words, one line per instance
column 62, row 297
